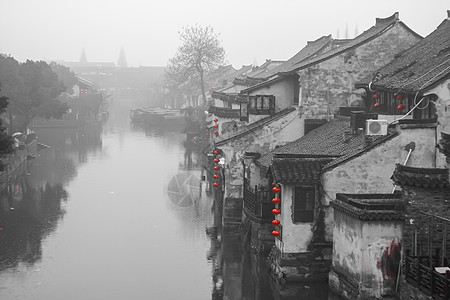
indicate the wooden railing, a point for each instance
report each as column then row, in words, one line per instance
column 426, row 278
column 258, row 203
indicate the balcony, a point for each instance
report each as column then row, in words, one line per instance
column 258, row 203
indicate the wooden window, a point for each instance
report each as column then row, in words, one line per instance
column 304, row 202
column 243, row 112
column 261, row 104
column 388, row 104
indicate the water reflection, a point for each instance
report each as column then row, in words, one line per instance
column 239, row 274
column 28, row 213
column 94, row 216
column 32, row 205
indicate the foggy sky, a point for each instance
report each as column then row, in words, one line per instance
column 251, row 30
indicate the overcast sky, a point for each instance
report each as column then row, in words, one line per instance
column 251, row 30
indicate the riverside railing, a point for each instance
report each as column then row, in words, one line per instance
column 434, row 282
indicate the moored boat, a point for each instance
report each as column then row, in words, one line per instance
column 158, row 116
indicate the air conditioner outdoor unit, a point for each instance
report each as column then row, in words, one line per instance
column 376, row 127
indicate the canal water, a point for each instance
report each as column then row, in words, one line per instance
column 121, row 212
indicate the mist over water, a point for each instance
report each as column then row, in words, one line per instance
column 102, row 225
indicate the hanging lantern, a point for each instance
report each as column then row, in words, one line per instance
column 215, row 120
column 276, row 190
column 400, row 97
column 401, row 107
column 216, row 132
column 274, row 183
column 276, row 222
column 377, row 104
column 275, row 233
column 216, row 184
column 376, row 96
column 216, row 126
column 217, row 168
column 216, row 160
column 276, row 211
column 276, row 200
column 216, row 176
column 216, row 152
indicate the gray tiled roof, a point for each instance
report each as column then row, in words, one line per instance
column 311, row 49
column 419, row 67
column 251, row 127
column 381, row 25
column 298, row 170
column 326, row 140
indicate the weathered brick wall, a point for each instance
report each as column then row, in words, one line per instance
column 442, row 91
column 330, row 84
column 262, row 140
column 371, row 172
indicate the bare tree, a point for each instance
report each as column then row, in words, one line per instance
column 199, row 53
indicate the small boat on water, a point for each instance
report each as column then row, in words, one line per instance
column 156, row 116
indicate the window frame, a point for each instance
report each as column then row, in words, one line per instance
column 301, row 214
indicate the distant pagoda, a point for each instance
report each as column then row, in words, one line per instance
column 83, row 59
column 122, row 61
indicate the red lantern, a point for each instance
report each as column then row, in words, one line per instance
column 216, row 184
column 377, row 104
column 276, row 190
column 215, row 120
column 274, row 184
column 216, row 176
column 216, row 132
column 276, row 233
column 276, row 200
column 276, row 211
column 216, row 152
column 401, row 107
column 216, row 160
column 376, row 96
column 216, row 126
column 217, row 168
column 276, row 222
column 400, row 97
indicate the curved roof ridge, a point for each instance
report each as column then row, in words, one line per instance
column 394, row 17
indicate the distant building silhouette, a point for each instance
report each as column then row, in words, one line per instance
column 122, row 61
column 83, row 58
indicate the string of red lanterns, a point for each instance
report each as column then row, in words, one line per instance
column 216, row 160
column 276, row 211
column 399, row 97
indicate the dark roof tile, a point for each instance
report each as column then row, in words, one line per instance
column 298, row 170
column 381, row 25
column 428, row 178
column 417, row 68
column 251, row 127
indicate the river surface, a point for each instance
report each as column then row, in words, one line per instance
column 96, row 217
